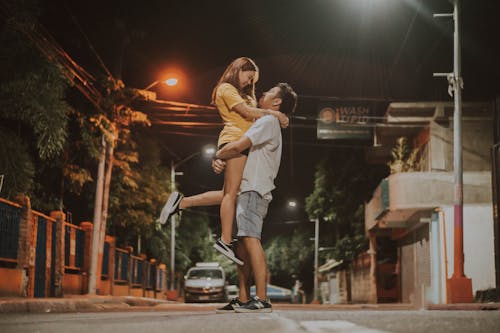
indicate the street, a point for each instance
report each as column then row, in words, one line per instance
column 196, row 318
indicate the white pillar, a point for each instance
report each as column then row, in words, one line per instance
column 435, row 294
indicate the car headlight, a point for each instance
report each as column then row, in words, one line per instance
column 205, row 290
column 217, row 289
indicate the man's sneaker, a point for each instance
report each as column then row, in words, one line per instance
column 227, row 250
column 255, row 305
column 229, row 307
column 171, row 207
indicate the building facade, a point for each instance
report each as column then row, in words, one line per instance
column 410, row 218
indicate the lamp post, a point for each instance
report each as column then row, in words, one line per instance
column 172, row 81
column 459, row 287
column 97, row 238
column 208, row 150
column 316, row 248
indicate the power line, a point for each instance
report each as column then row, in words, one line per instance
column 99, row 59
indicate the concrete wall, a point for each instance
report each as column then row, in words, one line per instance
column 360, row 279
column 137, row 292
column 477, row 141
column 12, row 280
column 17, row 276
column 72, row 284
column 415, row 258
column 432, row 189
column 479, row 263
column 120, row 290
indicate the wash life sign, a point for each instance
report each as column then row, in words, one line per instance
column 345, row 120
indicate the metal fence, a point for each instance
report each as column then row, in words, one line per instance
column 74, row 248
column 105, row 262
column 10, row 219
column 137, row 270
column 128, row 269
column 121, row 266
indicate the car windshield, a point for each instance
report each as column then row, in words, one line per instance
column 205, row 274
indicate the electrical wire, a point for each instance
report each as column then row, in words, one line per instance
column 92, row 48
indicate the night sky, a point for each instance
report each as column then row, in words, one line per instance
column 382, row 50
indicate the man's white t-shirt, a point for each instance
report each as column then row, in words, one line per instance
column 264, row 158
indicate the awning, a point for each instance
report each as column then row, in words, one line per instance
column 329, row 265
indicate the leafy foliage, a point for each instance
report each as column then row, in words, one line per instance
column 139, row 191
column 194, row 241
column 289, row 255
column 340, row 189
column 32, row 101
column 404, row 159
column 16, row 164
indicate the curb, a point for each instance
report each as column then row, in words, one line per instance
column 465, row 307
column 91, row 304
column 131, row 303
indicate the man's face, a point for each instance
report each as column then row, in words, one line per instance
column 269, row 99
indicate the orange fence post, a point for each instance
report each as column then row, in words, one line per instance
column 59, row 255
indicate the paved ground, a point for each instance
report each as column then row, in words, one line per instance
column 129, row 303
column 302, row 319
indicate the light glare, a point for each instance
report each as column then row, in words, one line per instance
column 171, row 82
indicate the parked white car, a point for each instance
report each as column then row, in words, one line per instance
column 205, row 283
column 232, row 291
column 276, row 293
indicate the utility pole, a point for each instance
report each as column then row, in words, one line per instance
column 208, row 150
column 316, row 244
column 173, row 221
column 97, row 219
column 459, row 287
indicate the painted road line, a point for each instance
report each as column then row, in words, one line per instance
column 336, row 326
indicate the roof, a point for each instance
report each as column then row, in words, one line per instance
column 329, row 265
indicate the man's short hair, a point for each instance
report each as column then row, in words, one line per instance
column 288, row 98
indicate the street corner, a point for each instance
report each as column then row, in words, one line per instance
column 13, row 307
column 465, row 307
column 46, row 306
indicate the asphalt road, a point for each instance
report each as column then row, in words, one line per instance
column 286, row 321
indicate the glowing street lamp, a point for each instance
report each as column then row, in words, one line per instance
column 207, row 151
column 171, row 81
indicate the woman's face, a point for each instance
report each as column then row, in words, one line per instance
column 246, row 78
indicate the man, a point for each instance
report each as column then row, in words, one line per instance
column 265, row 144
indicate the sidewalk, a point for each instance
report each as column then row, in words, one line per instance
column 79, row 303
column 82, row 303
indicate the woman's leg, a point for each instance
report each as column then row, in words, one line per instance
column 232, row 180
column 210, row 198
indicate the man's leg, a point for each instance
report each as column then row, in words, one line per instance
column 259, row 266
column 243, row 272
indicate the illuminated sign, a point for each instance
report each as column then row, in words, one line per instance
column 344, row 120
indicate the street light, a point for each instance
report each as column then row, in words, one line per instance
column 207, row 151
column 316, row 243
column 169, row 82
column 292, row 203
column 459, row 286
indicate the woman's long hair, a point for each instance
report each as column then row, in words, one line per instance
column 231, row 76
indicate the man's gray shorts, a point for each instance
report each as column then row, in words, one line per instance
column 251, row 209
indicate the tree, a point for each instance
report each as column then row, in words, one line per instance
column 34, row 113
column 139, row 190
column 290, row 254
column 340, row 189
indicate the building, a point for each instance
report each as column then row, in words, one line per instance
column 410, row 218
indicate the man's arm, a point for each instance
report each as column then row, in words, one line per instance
column 234, row 149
